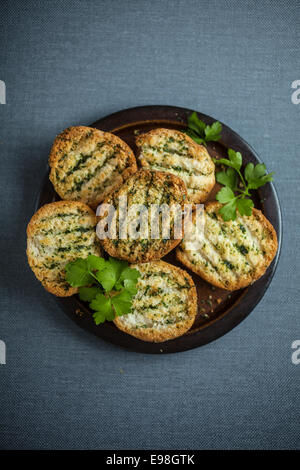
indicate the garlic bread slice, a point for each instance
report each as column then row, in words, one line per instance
column 145, row 188
column 175, row 152
column 165, row 305
column 233, row 254
column 87, row 164
column 59, row 233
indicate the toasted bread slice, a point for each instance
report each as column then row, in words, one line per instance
column 233, row 254
column 87, row 164
column 145, row 187
column 175, row 152
column 165, row 305
column 57, row 234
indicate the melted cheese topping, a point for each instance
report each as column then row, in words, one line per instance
column 177, row 156
column 230, row 250
column 59, row 239
column 161, row 300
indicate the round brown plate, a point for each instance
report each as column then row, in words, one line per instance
column 218, row 310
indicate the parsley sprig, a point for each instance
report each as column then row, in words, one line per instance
column 235, row 182
column 108, row 285
column 201, row 132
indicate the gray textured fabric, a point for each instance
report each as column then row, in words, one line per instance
column 72, row 62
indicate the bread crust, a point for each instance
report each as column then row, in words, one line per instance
column 173, row 151
column 155, row 249
column 255, row 225
column 39, row 246
column 155, row 334
column 86, row 164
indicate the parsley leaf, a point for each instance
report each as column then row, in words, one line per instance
column 111, row 273
column 245, row 206
column 254, row 177
column 77, row 273
column 225, row 195
column 227, row 178
column 88, row 293
column 130, row 286
column 94, row 263
column 107, row 277
column 109, row 286
column 103, row 308
column 213, row 132
column 201, row 132
column 195, row 137
column 228, row 211
column 122, row 302
column 126, row 275
column 235, row 159
column 196, row 124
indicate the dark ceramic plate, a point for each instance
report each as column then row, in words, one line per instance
column 218, row 310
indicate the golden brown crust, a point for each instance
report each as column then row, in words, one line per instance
column 261, row 238
column 47, row 264
column 87, row 164
column 155, row 334
column 145, row 181
column 173, row 151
